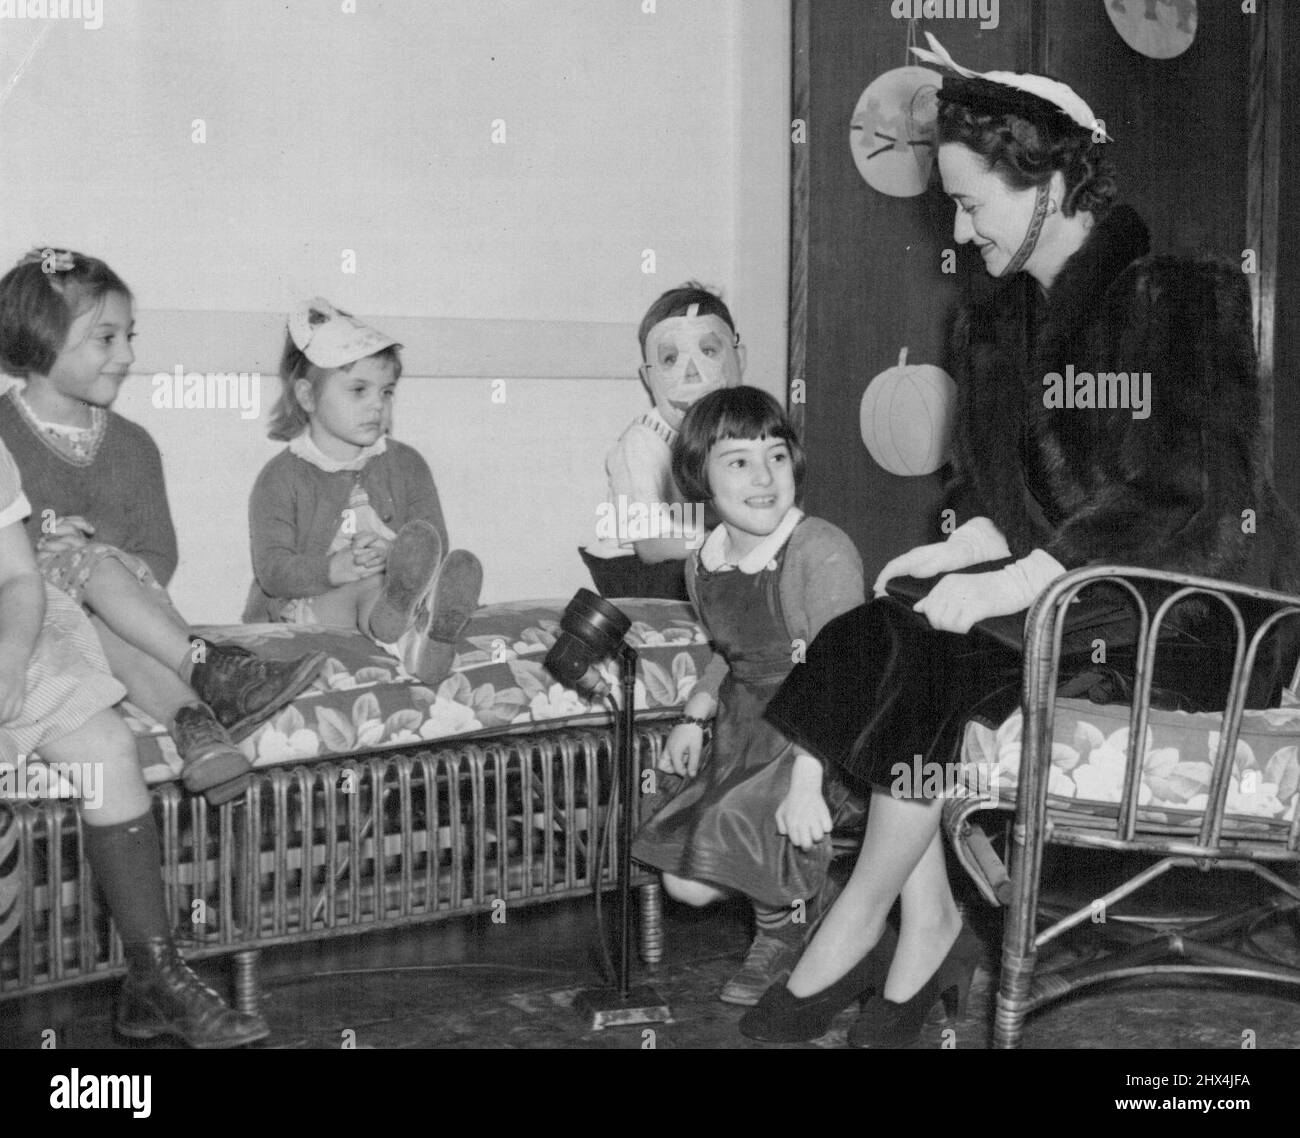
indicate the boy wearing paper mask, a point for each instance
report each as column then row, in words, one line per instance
column 689, row 347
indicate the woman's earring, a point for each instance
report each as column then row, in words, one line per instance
column 1051, row 207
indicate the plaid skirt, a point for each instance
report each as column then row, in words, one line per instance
column 67, row 680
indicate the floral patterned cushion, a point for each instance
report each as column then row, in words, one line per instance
column 1089, row 752
column 363, row 701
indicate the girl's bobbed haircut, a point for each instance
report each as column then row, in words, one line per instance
column 40, row 298
column 1026, row 149
column 288, row 417
column 729, row 413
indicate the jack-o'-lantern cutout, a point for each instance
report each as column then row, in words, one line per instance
column 906, row 417
column 892, row 133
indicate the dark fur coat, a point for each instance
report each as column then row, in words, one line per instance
column 1167, row 491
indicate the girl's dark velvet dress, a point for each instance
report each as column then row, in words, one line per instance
column 720, row 825
column 1183, row 488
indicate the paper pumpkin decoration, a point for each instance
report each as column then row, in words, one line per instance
column 892, row 132
column 906, row 417
column 1160, row 29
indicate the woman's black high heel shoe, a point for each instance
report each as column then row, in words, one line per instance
column 781, row 1017
column 884, row 1023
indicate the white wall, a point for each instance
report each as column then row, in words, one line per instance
column 625, row 130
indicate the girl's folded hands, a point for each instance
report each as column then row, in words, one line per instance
column 344, row 567
column 71, row 532
column 370, row 551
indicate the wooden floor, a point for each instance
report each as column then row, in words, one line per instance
column 470, row 983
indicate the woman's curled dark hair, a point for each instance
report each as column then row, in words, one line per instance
column 1026, row 150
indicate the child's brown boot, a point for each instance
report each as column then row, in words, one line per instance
column 211, row 763
column 770, row 960
column 162, row 996
column 244, row 690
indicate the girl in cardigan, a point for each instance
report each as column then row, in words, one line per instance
column 346, row 525
column 100, row 522
column 56, row 698
column 755, row 814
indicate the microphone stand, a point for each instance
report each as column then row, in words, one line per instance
column 624, row 1005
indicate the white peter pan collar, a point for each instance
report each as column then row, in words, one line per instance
column 304, row 448
column 762, row 556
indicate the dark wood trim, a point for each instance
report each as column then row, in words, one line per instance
column 800, row 175
column 1038, row 42
column 1263, row 165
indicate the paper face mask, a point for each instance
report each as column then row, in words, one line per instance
column 686, row 358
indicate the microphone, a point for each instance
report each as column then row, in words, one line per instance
column 591, row 631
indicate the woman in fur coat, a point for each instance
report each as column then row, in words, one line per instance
column 1108, row 413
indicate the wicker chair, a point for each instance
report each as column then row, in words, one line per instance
column 1205, row 840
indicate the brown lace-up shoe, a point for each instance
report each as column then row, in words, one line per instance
column 162, row 996
column 771, row 959
column 244, row 690
column 211, row 763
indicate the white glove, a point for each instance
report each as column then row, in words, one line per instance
column 976, row 541
column 961, row 600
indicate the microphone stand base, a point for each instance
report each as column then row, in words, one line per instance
column 608, row 1007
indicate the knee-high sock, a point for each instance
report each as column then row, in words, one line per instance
column 125, row 860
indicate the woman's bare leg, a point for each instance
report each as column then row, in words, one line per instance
column 930, row 925
column 900, row 833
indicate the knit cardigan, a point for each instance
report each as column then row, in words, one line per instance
column 296, row 509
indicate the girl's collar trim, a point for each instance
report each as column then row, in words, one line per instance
column 75, row 445
column 762, row 556
column 302, row 446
